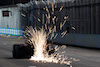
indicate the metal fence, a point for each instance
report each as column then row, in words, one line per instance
column 83, row 15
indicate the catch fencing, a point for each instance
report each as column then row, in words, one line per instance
column 82, row 14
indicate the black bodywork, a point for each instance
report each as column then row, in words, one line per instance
column 22, row 51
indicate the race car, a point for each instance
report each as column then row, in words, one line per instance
column 27, row 50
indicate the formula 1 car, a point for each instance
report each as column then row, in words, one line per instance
column 26, row 50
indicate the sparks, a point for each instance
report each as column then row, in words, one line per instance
column 39, row 37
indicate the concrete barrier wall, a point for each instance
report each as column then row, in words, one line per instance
column 11, row 31
column 85, row 40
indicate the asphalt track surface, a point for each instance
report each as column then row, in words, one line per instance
column 87, row 57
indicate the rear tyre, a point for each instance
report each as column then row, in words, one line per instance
column 18, row 51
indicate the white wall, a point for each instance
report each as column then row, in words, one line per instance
column 13, row 21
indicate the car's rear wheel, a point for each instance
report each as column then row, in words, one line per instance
column 18, row 51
